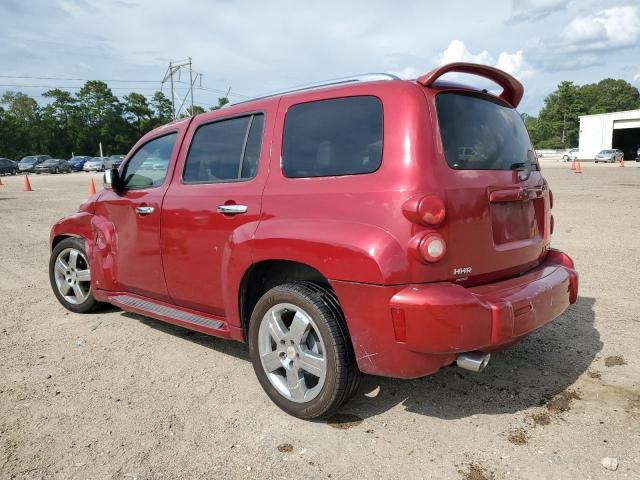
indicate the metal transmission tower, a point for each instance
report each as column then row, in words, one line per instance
column 175, row 70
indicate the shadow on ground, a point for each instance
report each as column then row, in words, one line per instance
column 526, row 375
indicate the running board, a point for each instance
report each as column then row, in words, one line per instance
column 183, row 317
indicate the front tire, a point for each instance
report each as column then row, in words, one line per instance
column 301, row 351
column 70, row 276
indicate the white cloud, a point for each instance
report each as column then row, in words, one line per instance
column 525, row 10
column 636, row 77
column 616, row 27
column 512, row 63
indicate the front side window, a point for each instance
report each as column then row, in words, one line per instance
column 479, row 133
column 148, row 166
column 340, row 136
column 226, row 150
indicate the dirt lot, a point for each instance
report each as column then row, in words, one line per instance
column 114, row 395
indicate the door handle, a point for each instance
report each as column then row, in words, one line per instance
column 232, row 209
column 144, row 210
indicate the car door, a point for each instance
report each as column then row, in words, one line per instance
column 214, row 202
column 136, row 215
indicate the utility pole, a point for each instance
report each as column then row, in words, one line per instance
column 175, row 68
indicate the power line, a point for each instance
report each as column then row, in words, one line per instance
column 28, row 77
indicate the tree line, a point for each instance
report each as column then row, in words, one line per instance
column 76, row 123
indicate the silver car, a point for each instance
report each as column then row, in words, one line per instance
column 609, row 156
column 97, row 164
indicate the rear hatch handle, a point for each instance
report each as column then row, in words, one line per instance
column 521, row 194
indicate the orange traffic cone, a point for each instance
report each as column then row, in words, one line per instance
column 578, row 169
column 27, row 184
column 1, row 181
column 573, row 165
column 92, row 188
column 622, row 162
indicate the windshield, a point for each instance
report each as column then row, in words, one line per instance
column 77, row 159
column 607, row 151
column 29, row 160
column 96, row 159
column 49, row 162
column 481, row 134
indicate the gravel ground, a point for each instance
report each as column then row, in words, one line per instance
column 116, row 395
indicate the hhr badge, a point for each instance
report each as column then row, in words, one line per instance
column 462, row 271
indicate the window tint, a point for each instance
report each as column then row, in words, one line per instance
column 340, row 136
column 225, row 150
column 148, row 166
column 252, row 150
column 481, row 134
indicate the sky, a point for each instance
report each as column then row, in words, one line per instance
column 254, row 47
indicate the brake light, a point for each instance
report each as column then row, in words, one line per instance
column 432, row 247
column 431, row 210
column 424, row 210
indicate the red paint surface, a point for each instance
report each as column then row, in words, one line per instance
column 360, row 232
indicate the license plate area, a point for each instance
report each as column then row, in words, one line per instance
column 517, row 221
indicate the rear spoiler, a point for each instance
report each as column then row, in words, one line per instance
column 512, row 89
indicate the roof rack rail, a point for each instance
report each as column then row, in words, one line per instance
column 366, row 77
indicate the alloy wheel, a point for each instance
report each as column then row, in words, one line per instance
column 292, row 352
column 72, row 275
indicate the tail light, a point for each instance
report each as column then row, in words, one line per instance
column 431, row 210
column 425, row 210
column 432, row 247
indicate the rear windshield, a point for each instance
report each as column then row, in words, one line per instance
column 482, row 134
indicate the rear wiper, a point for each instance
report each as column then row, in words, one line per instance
column 523, row 169
column 518, row 166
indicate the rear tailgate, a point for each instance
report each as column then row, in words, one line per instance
column 497, row 201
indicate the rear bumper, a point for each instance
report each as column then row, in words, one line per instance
column 433, row 323
column 448, row 318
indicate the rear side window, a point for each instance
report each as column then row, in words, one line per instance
column 482, row 134
column 341, row 136
column 224, row 151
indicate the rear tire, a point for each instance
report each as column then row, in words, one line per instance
column 301, row 350
column 70, row 276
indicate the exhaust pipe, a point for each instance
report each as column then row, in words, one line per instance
column 474, row 361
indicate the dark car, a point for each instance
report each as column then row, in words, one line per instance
column 76, row 163
column 8, row 166
column 28, row 164
column 116, row 160
column 53, row 165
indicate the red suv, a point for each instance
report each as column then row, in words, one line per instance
column 365, row 225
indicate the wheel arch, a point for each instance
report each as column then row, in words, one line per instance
column 266, row 274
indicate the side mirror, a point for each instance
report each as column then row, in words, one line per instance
column 112, row 180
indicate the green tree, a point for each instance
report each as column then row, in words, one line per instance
column 222, row 101
column 60, row 123
column 101, row 114
column 137, row 107
column 162, row 109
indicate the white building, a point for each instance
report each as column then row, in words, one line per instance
column 603, row 131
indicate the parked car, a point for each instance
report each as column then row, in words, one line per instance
column 570, row 155
column 334, row 241
column 97, row 164
column 28, row 164
column 8, row 166
column 116, row 160
column 53, row 165
column 77, row 163
column 609, row 156
column 638, row 155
